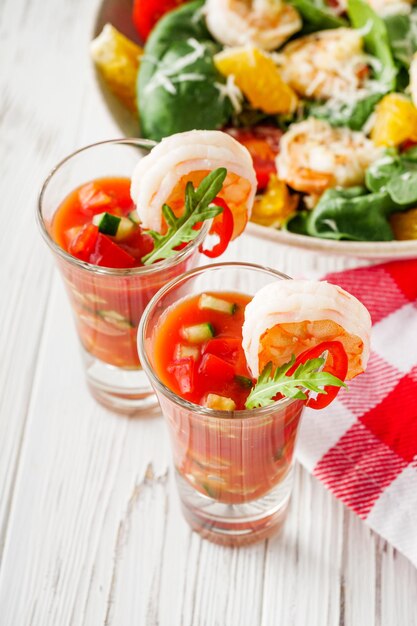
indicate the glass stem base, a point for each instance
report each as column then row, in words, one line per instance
column 236, row 524
column 128, row 392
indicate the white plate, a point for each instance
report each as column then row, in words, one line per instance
column 118, row 13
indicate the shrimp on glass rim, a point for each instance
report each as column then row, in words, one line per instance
column 326, row 64
column 288, row 317
column 266, row 24
column 161, row 177
column 315, row 156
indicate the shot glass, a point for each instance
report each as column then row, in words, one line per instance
column 108, row 303
column 234, row 470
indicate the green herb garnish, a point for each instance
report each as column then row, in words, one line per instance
column 198, row 208
column 306, row 376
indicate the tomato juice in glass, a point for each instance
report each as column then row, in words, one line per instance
column 107, row 284
column 233, row 466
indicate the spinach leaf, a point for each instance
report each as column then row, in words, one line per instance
column 395, row 174
column 316, row 16
column 179, row 87
column 381, row 171
column 403, row 188
column 402, row 34
column 298, row 223
column 376, row 39
column 352, row 214
column 353, row 115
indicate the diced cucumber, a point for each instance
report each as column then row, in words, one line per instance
column 219, row 403
column 107, row 223
column 125, row 228
column 244, row 381
column 216, row 304
column 115, row 318
column 198, row 333
column 134, row 217
column 186, row 352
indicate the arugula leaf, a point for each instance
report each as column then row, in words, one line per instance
column 197, row 209
column 376, row 39
column 306, row 376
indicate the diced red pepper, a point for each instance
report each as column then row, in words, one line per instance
column 146, row 14
column 84, row 243
column 336, row 363
column 263, row 145
column 184, row 372
column 216, row 369
column 108, row 254
column 222, row 226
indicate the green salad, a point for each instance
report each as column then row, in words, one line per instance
column 323, row 94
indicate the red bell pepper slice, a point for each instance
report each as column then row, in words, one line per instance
column 222, row 226
column 84, row 243
column 216, row 369
column 184, row 372
column 336, row 363
column 108, row 254
column 263, row 145
column 146, row 14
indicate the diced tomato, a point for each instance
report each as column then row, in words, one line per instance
column 226, row 348
column 146, row 14
column 263, row 145
column 222, row 226
column 138, row 244
column 216, row 369
column 336, row 363
column 84, row 243
column 92, row 198
column 407, row 145
column 184, row 372
column 108, row 254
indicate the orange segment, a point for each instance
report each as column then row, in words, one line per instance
column 274, row 206
column 404, row 225
column 395, row 121
column 258, row 77
column 117, row 59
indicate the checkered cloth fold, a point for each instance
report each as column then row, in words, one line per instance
column 364, row 446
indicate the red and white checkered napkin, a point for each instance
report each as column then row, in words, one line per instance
column 364, row 446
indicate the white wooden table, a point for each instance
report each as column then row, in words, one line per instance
column 90, row 528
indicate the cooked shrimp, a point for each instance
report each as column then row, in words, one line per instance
column 315, row 156
column 266, row 24
column 326, row 64
column 290, row 316
column 161, row 176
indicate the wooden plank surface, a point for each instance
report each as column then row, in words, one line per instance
column 90, row 528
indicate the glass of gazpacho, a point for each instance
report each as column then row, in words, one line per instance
column 85, row 198
column 233, row 465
